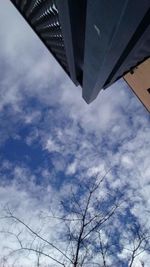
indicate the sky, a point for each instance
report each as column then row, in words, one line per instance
column 50, row 138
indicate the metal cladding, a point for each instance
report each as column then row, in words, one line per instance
column 95, row 41
column 114, row 39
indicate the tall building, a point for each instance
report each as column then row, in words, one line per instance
column 95, row 41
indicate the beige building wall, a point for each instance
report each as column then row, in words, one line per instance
column 139, row 81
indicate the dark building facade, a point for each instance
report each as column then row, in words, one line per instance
column 95, row 41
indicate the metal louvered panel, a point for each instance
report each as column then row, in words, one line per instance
column 37, row 20
column 49, row 28
column 32, row 6
column 46, row 11
column 43, row 16
column 45, row 21
column 55, row 43
column 54, row 32
column 58, row 50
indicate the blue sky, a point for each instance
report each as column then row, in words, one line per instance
column 49, row 137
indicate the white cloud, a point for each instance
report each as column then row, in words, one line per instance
column 71, row 169
column 51, row 146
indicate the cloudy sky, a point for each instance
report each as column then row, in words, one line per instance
column 50, row 137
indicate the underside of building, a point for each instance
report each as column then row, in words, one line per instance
column 95, row 41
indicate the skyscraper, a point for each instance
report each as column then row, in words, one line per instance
column 95, row 41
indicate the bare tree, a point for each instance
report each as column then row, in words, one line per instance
column 140, row 242
column 83, row 220
column 85, row 216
